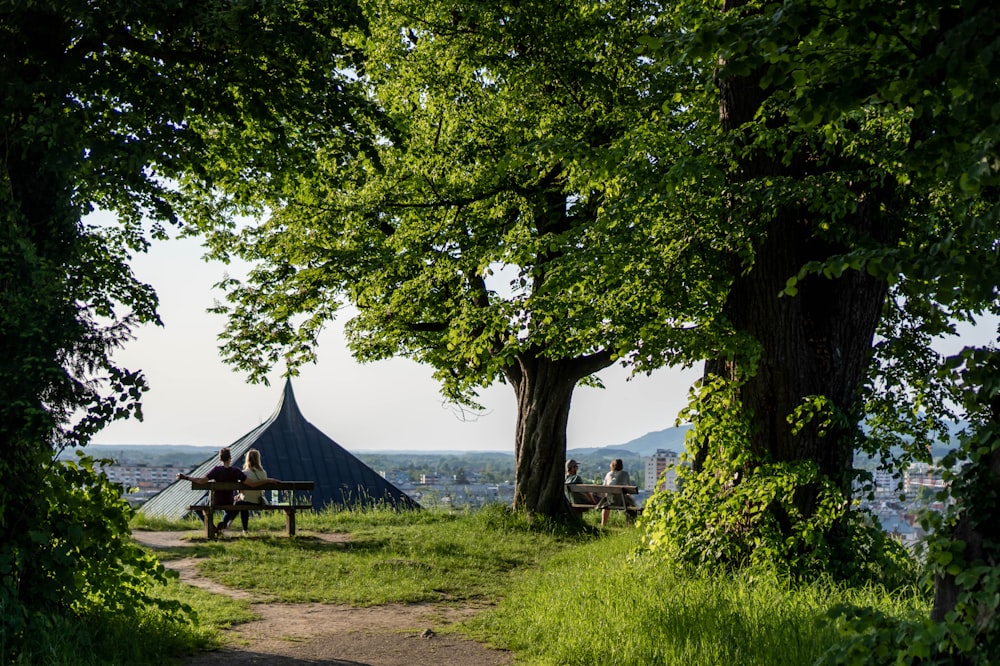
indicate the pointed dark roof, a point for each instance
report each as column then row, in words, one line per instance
column 292, row 449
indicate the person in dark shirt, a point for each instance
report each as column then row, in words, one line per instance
column 224, row 471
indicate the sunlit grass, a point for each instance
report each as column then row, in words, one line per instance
column 594, row 604
column 211, row 611
column 388, row 557
column 141, row 521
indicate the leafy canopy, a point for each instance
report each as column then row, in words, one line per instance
column 502, row 210
column 115, row 106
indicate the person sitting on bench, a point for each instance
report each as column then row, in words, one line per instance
column 573, row 476
column 223, row 472
column 254, row 472
column 617, row 476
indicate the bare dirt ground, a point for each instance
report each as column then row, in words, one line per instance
column 294, row 634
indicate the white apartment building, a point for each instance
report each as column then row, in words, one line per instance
column 886, row 482
column 143, row 477
column 662, row 465
column 922, row 475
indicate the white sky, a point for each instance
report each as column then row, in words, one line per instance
column 196, row 399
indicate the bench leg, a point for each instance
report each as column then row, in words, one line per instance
column 290, row 521
column 209, row 518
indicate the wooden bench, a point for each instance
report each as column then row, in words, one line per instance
column 609, row 497
column 289, row 505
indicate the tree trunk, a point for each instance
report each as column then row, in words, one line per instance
column 818, row 342
column 544, row 390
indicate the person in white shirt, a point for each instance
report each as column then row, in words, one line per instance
column 254, row 472
column 617, row 476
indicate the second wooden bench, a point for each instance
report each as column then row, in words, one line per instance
column 608, row 497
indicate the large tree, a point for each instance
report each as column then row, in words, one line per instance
column 931, row 66
column 778, row 419
column 936, row 62
column 112, row 105
column 491, row 230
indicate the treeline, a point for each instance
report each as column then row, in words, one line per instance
column 488, row 467
column 491, row 467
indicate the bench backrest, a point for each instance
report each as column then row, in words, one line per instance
column 269, row 484
column 599, row 488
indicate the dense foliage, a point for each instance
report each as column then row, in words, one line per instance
column 777, row 415
column 717, row 522
column 492, row 229
column 109, row 105
column 929, row 68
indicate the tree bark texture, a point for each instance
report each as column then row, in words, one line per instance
column 544, row 390
column 818, row 342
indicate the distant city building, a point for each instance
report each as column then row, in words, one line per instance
column 395, row 476
column 662, row 465
column 922, row 475
column 143, row 477
column 886, row 482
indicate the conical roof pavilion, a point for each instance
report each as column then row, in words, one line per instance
column 292, row 449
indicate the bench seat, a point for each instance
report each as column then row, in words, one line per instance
column 208, row 510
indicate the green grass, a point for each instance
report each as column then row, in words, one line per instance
column 211, row 611
column 556, row 596
column 390, row 557
column 99, row 639
column 594, row 604
column 141, row 521
column 151, row 637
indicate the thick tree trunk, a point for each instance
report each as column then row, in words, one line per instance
column 817, row 343
column 544, row 390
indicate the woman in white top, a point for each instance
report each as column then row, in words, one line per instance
column 254, row 472
column 616, row 476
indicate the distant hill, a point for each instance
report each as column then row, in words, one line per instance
column 671, row 439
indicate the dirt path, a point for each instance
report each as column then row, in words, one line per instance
column 293, row 634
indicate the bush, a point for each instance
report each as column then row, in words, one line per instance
column 77, row 561
column 710, row 523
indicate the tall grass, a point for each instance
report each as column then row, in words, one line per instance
column 104, row 640
column 591, row 604
column 151, row 637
